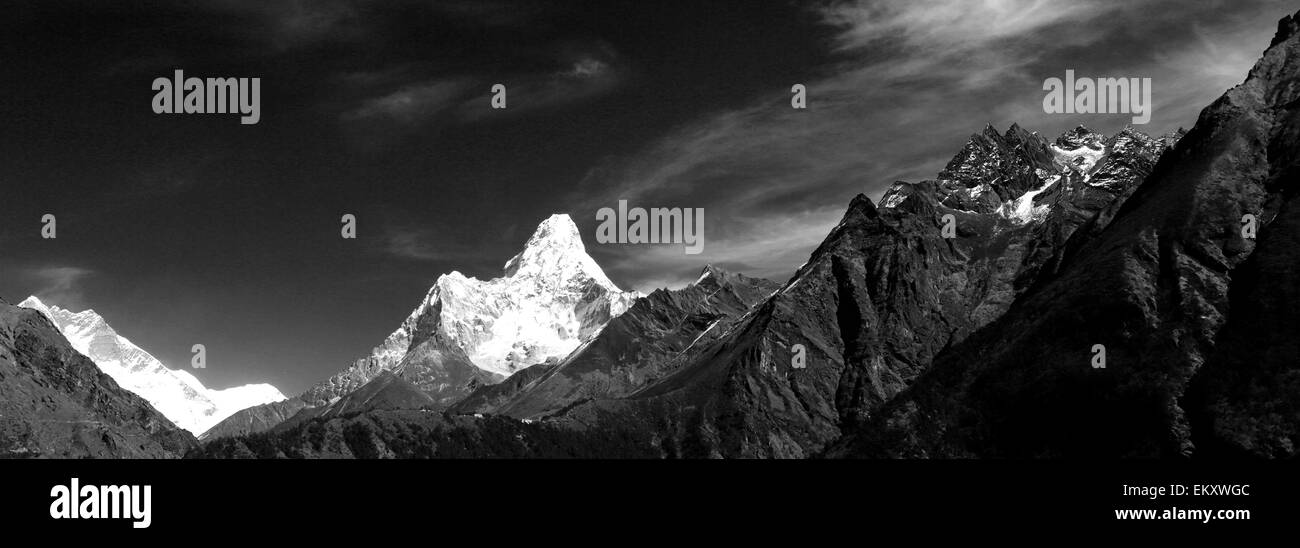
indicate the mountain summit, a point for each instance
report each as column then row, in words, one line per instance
column 467, row 333
column 551, row 298
column 175, row 393
column 555, row 251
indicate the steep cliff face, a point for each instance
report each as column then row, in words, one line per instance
column 1170, row 287
column 1245, row 400
column 56, row 403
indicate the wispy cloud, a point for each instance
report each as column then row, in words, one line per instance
column 587, row 68
column 413, row 244
column 412, row 103
column 581, row 74
column 449, row 246
column 59, row 285
column 291, row 24
column 527, row 93
column 953, row 25
column 768, row 248
column 911, row 80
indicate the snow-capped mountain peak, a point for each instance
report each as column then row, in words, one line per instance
column 176, row 394
column 551, row 298
column 556, row 249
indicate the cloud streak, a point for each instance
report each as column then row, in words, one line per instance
column 581, row 74
column 61, row 285
column 910, row 80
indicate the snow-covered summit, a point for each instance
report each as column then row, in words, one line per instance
column 550, row 298
column 176, row 394
column 556, row 247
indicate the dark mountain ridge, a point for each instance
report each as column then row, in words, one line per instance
column 56, row 403
column 1180, row 299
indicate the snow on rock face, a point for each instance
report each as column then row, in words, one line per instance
column 551, row 298
column 174, row 393
column 1081, row 159
column 1023, row 209
column 1078, row 151
column 1022, row 178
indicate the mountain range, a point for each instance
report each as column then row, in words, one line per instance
column 961, row 316
column 1083, row 296
column 465, row 333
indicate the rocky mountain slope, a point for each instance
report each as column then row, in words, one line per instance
column 56, row 403
column 175, row 393
column 885, row 294
column 1199, row 349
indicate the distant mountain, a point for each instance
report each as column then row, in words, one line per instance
column 55, row 402
column 1197, row 321
column 467, row 333
column 175, row 393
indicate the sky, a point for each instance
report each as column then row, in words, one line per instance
column 196, row 229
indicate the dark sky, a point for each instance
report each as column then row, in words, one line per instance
column 184, row 229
